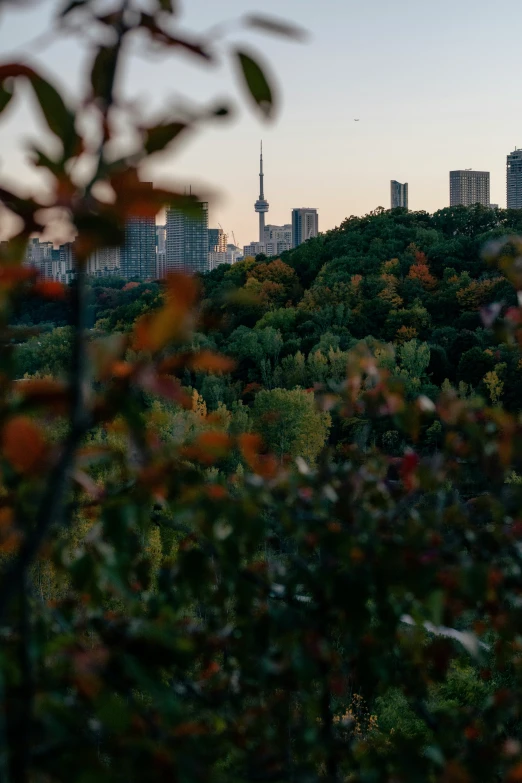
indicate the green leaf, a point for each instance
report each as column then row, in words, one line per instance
column 5, row 98
column 170, row 6
column 103, row 72
column 161, row 136
column 277, row 26
column 256, row 83
column 71, row 6
column 58, row 117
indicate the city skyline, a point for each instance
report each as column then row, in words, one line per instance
column 457, row 119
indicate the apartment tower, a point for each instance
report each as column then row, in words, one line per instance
column 469, row 187
column 305, row 225
column 187, row 239
column 399, row 194
column 514, row 179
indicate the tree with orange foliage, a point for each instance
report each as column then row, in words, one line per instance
column 420, row 271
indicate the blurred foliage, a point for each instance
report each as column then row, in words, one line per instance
column 299, row 561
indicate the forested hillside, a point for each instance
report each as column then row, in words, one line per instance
column 415, row 291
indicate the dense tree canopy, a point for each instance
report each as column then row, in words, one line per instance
column 264, row 525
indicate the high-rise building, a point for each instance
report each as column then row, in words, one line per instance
column 187, row 239
column 261, row 206
column 469, row 187
column 233, row 254
column 161, row 233
column 104, row 262
column 39, row 255
column 305, row 225
column 399, row 194
column 277, row 239
column 254, row 249
column 278, row 233
column 161, row 265
column 230, row 256
column 217, row 240
column 514, row 179
column 65, row 264
column 138, row 254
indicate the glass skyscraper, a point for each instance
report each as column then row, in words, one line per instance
column 514, row 180
column 399, row 194
column 187, row 239
column 138, row 254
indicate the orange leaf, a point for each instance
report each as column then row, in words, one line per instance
column 265, row 465
column 207, row 361
column 50, row 289
column 121, row 369
column 515, row 774
column 12, row 275
column 164, row 386
column 190, row 729
column 173, row 321
column 23, row 444
column 9, row 536
column 44, row 391
column 209, row 447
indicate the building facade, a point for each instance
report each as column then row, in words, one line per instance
column 277, row 239
column 230, row 256
column 138, row 254
column 514, row 179
column 398, row 194
column 217, row 240
column 104, row 262
column 305, row 225
column 187, row 240
column 40, row 256
column 469, row 187
column 254, row 249
column 161, row 234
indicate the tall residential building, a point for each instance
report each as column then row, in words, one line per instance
column 65, row 264
column 514, row 179
column 138, row 254
column 39, row 255
column 277, row 239
column 104, row 262
column 187, row 239
column 233, row 254
column 278, row 233
column 469, row 187
column 217, row 240
column 261, row 206
column 161, row 265
column 399, row 194
column 305, row 225
column 161, row 233
column 230, row 256
column 254, row 249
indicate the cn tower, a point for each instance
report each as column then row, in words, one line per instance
column 261, row 206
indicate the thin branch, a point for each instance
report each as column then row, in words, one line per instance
column 22, row 751
column 52, row 507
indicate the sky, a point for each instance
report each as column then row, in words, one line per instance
column 434, row 85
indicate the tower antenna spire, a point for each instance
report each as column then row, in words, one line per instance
column 261, row 206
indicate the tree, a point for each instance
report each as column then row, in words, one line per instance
column 47, row 354
column 290, row 424
column 473, row 366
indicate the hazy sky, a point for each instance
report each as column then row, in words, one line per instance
column 436, row 86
